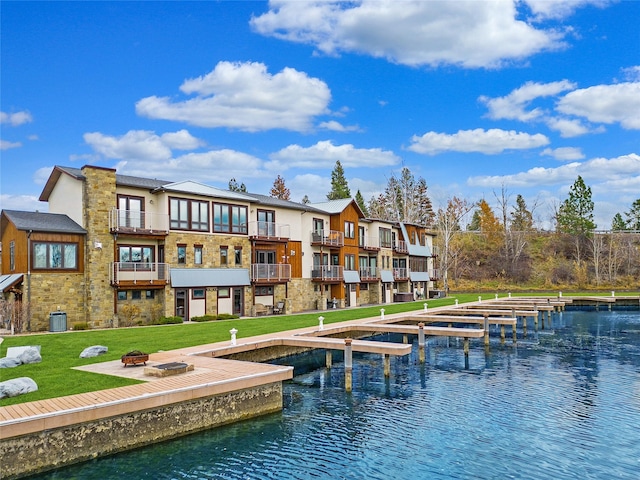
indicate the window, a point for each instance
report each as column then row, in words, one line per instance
column 349, row 262
column 198, row 293
column 262, row 291
column 361, row 242
column 238, row 255
column 266, row 223
column 130, row 211
column 197, row 254
column 229, row 218
column 122, row 294
column 266, row 257
column 136, row 294
column 182, row 254
column 223, row 292
column 385, row 238
column 189, row 214
column 12, row 256
column 62, row 256
column 349, row 230
column 224, row 255
column 150, row 294
column 135, row 254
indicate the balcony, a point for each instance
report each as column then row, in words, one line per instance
column 139, row 273
column 276, row 232
column 371, row 244
column 138, row 222
column 401, row 247
column 270, row 272
column 400, row 274
column 368, row 274
column 327, row 273
column 331, row 238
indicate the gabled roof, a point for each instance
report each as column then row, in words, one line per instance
column 189, row 186
column 121, row 180
column 337, row 206
column 43, row 222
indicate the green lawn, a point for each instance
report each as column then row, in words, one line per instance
column 60, row 351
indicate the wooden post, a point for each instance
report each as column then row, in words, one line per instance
column 348, row 365
column 502, row 335
column 535, row 318
column 466, row 346
column 514, row 331
column 405, row 338
column 421, row 342
column 387, row 364
column 329, row 358
column 486, row 329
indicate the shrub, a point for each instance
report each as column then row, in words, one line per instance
column 227, row 316
column 167, row 320
column 204, row 318
column 80, row 326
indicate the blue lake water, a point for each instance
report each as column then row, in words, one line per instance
column 564, row 403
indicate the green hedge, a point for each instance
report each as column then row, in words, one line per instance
column 167, row 320
column 210, row 318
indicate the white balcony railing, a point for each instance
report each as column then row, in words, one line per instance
column 400, row 273
column 368, row 273
column 331, row 238
column 269, row 230
column 135, row 221
column 327, row 272
column 401, row 247
column 270, row 272
column 369, row 243
column 139, row 273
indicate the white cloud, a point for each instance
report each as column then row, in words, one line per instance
column 338, row 127
column 483, row 141
column 512, row 106
column 618, row 103
column 564, row 153
column 324, row 154
column 543, row 9
column 27, row 203
column 245, row 96
column 6, row 145
column 470, row 34
column 16, row 119
column 619, row 169
column 632, row 74
column 568, row 127
column 41, row 175
column 141, row 144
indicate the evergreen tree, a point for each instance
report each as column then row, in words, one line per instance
column 361, row 204
column 575, row 215
column 521, row 217
column 306, row 200
column 618, row 224
column 279, row 190
column 633, row 216
column 339, row 185
column 474, row 224
column 235, row 187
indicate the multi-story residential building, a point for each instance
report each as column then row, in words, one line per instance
column 189, row 249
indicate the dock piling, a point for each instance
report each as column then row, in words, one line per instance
column 348, row 365
column 421, row 342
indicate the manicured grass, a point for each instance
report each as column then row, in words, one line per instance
column 60, row 351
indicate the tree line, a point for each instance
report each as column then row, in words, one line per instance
column 505, row 249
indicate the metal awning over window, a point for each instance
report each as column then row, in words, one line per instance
column 209, row 277
column 351, row 276
column 386, row 276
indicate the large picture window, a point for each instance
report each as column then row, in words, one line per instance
column 229, row 218
column 135, row 254
column 49, row 255
column 189, row 214
column 386, row 240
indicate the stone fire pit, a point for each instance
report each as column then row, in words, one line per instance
column 166, row 369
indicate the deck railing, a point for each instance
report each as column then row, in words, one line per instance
column 139, row 273
column 269, row 230
column 136, row 221
column 327, row 272
column 329, row 238
column 270, row 272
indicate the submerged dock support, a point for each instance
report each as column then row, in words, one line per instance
column 421, row 342
column 466, row 347
column 486, row 330
column 328, row 358
column 348, row 365
column 387, row 364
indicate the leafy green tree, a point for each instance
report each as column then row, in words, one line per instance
column 339, row 184
column 235, row 187
column 279, row 189
column 618, row 224
column 361, row 203
column 633, row 216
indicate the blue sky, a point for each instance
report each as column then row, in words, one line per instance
column 473, row 96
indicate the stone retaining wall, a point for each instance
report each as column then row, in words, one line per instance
column 50, row 449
